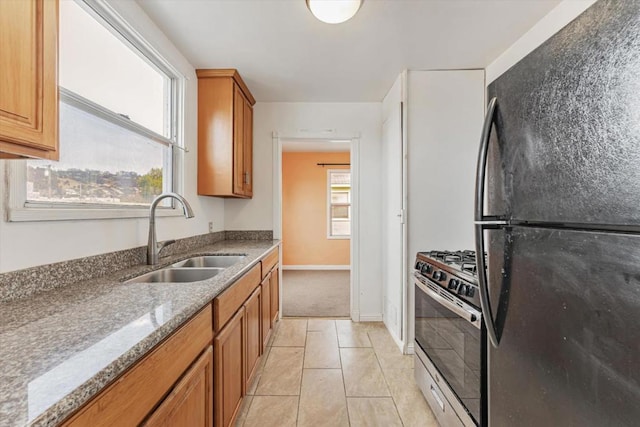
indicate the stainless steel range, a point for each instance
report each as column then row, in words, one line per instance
column 449, row 336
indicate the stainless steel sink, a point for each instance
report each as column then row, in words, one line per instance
column 210, row 261
column 177, row 275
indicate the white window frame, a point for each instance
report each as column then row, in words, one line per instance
column 18, row 209
column 329, row 204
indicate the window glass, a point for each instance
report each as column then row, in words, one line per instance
column 340, row 203
column 100, row 163
column 103, row 159
column 101, row 67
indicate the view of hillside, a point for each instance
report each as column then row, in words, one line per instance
column 92, row 186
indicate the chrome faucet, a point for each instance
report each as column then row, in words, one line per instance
column 153, row 247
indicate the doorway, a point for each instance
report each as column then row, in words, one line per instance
column 314, row 211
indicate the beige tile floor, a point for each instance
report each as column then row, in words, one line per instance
column 334, row 372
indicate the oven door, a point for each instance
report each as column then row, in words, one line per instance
column 449, row 331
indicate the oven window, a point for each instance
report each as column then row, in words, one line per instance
column 454, row 347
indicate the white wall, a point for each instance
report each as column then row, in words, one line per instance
column 28, row 244
column 392, row 205
column 444, row 117
column 554, row 21
column 292, row 119
column 445, row 112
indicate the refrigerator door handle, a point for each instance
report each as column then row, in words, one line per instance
column 481, row 170
column 487, row 314
column 481, row 167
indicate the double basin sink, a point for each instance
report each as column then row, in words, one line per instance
column 189, row 270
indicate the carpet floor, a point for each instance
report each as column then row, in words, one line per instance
column 315, row 293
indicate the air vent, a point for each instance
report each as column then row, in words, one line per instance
column 447, row 296
column 434, row 288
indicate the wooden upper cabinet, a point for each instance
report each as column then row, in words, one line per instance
column 29, row 79
column 248, row 149
column 225, row 134
column 239, row 175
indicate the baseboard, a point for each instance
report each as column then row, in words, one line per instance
column 397, row 340
column 371, row 318
column 411, row 349
column 316, row 267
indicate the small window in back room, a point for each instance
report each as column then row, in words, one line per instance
column 117, row 118
column 339, row 203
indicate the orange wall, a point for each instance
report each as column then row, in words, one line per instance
column 304, row 210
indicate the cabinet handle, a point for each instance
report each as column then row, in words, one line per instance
column 437, row 397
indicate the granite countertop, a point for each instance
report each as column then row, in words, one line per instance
column 59, row 348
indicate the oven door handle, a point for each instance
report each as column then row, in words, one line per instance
column 469, row 314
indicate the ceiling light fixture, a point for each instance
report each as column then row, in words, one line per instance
column 334, row 11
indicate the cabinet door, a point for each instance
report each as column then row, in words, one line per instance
column 228, row 362
column 29, row 83
column 266, row 311
column 248, row 149
column 238, row 141
column 253, row 340
column 275, row 295
column 190, row 404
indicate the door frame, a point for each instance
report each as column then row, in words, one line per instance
column 354, row 245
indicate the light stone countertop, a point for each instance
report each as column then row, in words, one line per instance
column 59, row 348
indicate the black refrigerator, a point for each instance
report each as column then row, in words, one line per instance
column 558, row 216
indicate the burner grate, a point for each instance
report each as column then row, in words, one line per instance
column 464, row 261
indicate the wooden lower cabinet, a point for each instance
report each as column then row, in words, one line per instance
column 133, row 396
column 275, row 295
column 187, row 382
column 228, row 372
column 253, row 339
column 265, row 313
column 190, row 404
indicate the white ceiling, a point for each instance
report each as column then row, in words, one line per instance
column 284, row 54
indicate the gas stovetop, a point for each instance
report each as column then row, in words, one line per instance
column 464, row 261
column 454, row 271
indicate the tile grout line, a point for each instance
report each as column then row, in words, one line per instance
column 258, row 379
column 304, row 355
column 344, row 385
column 386, row 381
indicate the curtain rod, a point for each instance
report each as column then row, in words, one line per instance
column 333, row 164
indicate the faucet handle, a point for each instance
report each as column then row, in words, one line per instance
column 162, row 245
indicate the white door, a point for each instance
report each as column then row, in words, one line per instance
column 392, row 210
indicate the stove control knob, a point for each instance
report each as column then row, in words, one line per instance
column 439, row 275
column 453, row 284
column 462, row 290
column 470, row 291
column 418, row 265
column 426, row 269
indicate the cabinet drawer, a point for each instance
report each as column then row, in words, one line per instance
column 269, row 261
column 227, row 303
column 127, row 401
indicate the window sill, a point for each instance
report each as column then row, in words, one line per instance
column 338, row 237
column 70, row 214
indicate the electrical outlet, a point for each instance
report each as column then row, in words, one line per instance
column 210, row 226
